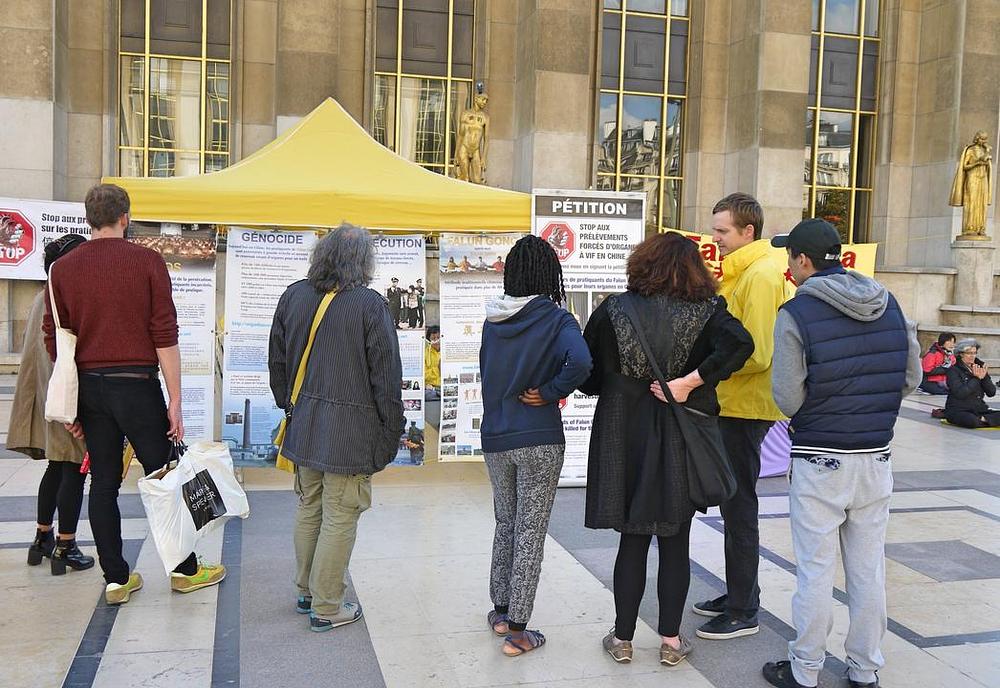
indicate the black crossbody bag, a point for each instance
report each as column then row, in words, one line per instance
column 710, row 477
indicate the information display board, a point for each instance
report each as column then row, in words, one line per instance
column 471, row 267
column 593, row 234
column 259, row 267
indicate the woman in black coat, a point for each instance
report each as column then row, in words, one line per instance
column 968, row 383
column 697, row 344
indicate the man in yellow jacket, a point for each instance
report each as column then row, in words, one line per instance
column 754, row 286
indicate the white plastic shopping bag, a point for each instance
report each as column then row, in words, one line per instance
column 186, row 502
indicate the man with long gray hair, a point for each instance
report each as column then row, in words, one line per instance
column 348, row 415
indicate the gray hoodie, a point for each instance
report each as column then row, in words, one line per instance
column 856, row 296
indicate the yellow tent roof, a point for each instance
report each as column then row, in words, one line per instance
column 324, row 170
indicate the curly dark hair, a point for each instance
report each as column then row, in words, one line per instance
column 670, row 263
column 533, row 268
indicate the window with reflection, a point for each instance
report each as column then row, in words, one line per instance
column 643, row 87
column 423, row 77
column 842, row 115
column 173, row 87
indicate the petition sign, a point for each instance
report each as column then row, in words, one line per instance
column 26, row 226
column 593, row 234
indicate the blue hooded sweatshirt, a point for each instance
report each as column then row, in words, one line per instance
column 528, row 342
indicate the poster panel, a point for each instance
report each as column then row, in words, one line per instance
column 259, row 267
column 401, row 276
column 26, row 226
column 593, row 234
column 471, row 267
column 190, row 256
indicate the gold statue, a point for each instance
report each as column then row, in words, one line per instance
column 972, row 187
column 472, row 141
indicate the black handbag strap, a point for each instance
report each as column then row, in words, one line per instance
column 633, row 317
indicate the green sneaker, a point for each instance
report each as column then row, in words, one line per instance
column 206, row 575
column 116, row 593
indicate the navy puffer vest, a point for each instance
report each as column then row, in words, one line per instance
column 855, row 379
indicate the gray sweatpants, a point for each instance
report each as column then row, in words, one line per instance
column 845, row 497
column 524, row 487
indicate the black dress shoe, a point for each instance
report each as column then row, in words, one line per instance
column 68, row 554
column 42, row 546
column 780, row 674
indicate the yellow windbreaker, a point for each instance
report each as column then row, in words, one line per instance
column 754, row 285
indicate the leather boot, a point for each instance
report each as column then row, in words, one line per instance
column 68, row 554
column 43, row 545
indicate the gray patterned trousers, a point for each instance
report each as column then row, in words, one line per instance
column 524, row 487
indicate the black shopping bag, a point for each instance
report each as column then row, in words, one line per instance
column 203, row 499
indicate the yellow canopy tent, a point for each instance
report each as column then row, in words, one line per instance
column 324, row 170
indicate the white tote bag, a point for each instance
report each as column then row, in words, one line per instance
column 64, row 385
column 186, row 502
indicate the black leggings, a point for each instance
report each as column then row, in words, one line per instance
column 61, row 487
column 673, row 579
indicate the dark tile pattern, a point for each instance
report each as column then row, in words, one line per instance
column 946, row 560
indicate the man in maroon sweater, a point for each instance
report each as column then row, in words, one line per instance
column 116, row 297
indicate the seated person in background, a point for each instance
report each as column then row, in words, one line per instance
column 968, row 382
column 432, row 363
column 936, row 362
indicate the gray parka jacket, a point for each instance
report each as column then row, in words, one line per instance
column 349, row 415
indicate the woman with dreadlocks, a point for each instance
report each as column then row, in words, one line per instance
column 532, row 356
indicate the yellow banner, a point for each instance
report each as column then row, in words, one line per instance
column 860, row 257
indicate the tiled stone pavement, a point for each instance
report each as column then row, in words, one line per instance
column 420, row 570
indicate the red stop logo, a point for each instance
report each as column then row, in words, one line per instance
column 561, row 238
column 17, row 237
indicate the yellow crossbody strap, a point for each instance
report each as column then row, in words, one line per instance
column 300, row 373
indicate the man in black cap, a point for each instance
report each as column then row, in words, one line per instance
column 846, row 335
column 394, row 295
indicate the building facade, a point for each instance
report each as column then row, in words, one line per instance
column 852, row 110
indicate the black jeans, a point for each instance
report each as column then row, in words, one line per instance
column 672, row 581
column 112, row 409
column 61, row 487
column 743, row 439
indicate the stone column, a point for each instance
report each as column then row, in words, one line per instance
column 28, row 164
column 255, row 56
column 768, row 97
column 26, row 98
column 554, row 94
column 957, row 94
column 307, row 51
column 495, row 66
column 705, row 115
column 974, row 281
column 894, row 147
column 85, row 64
